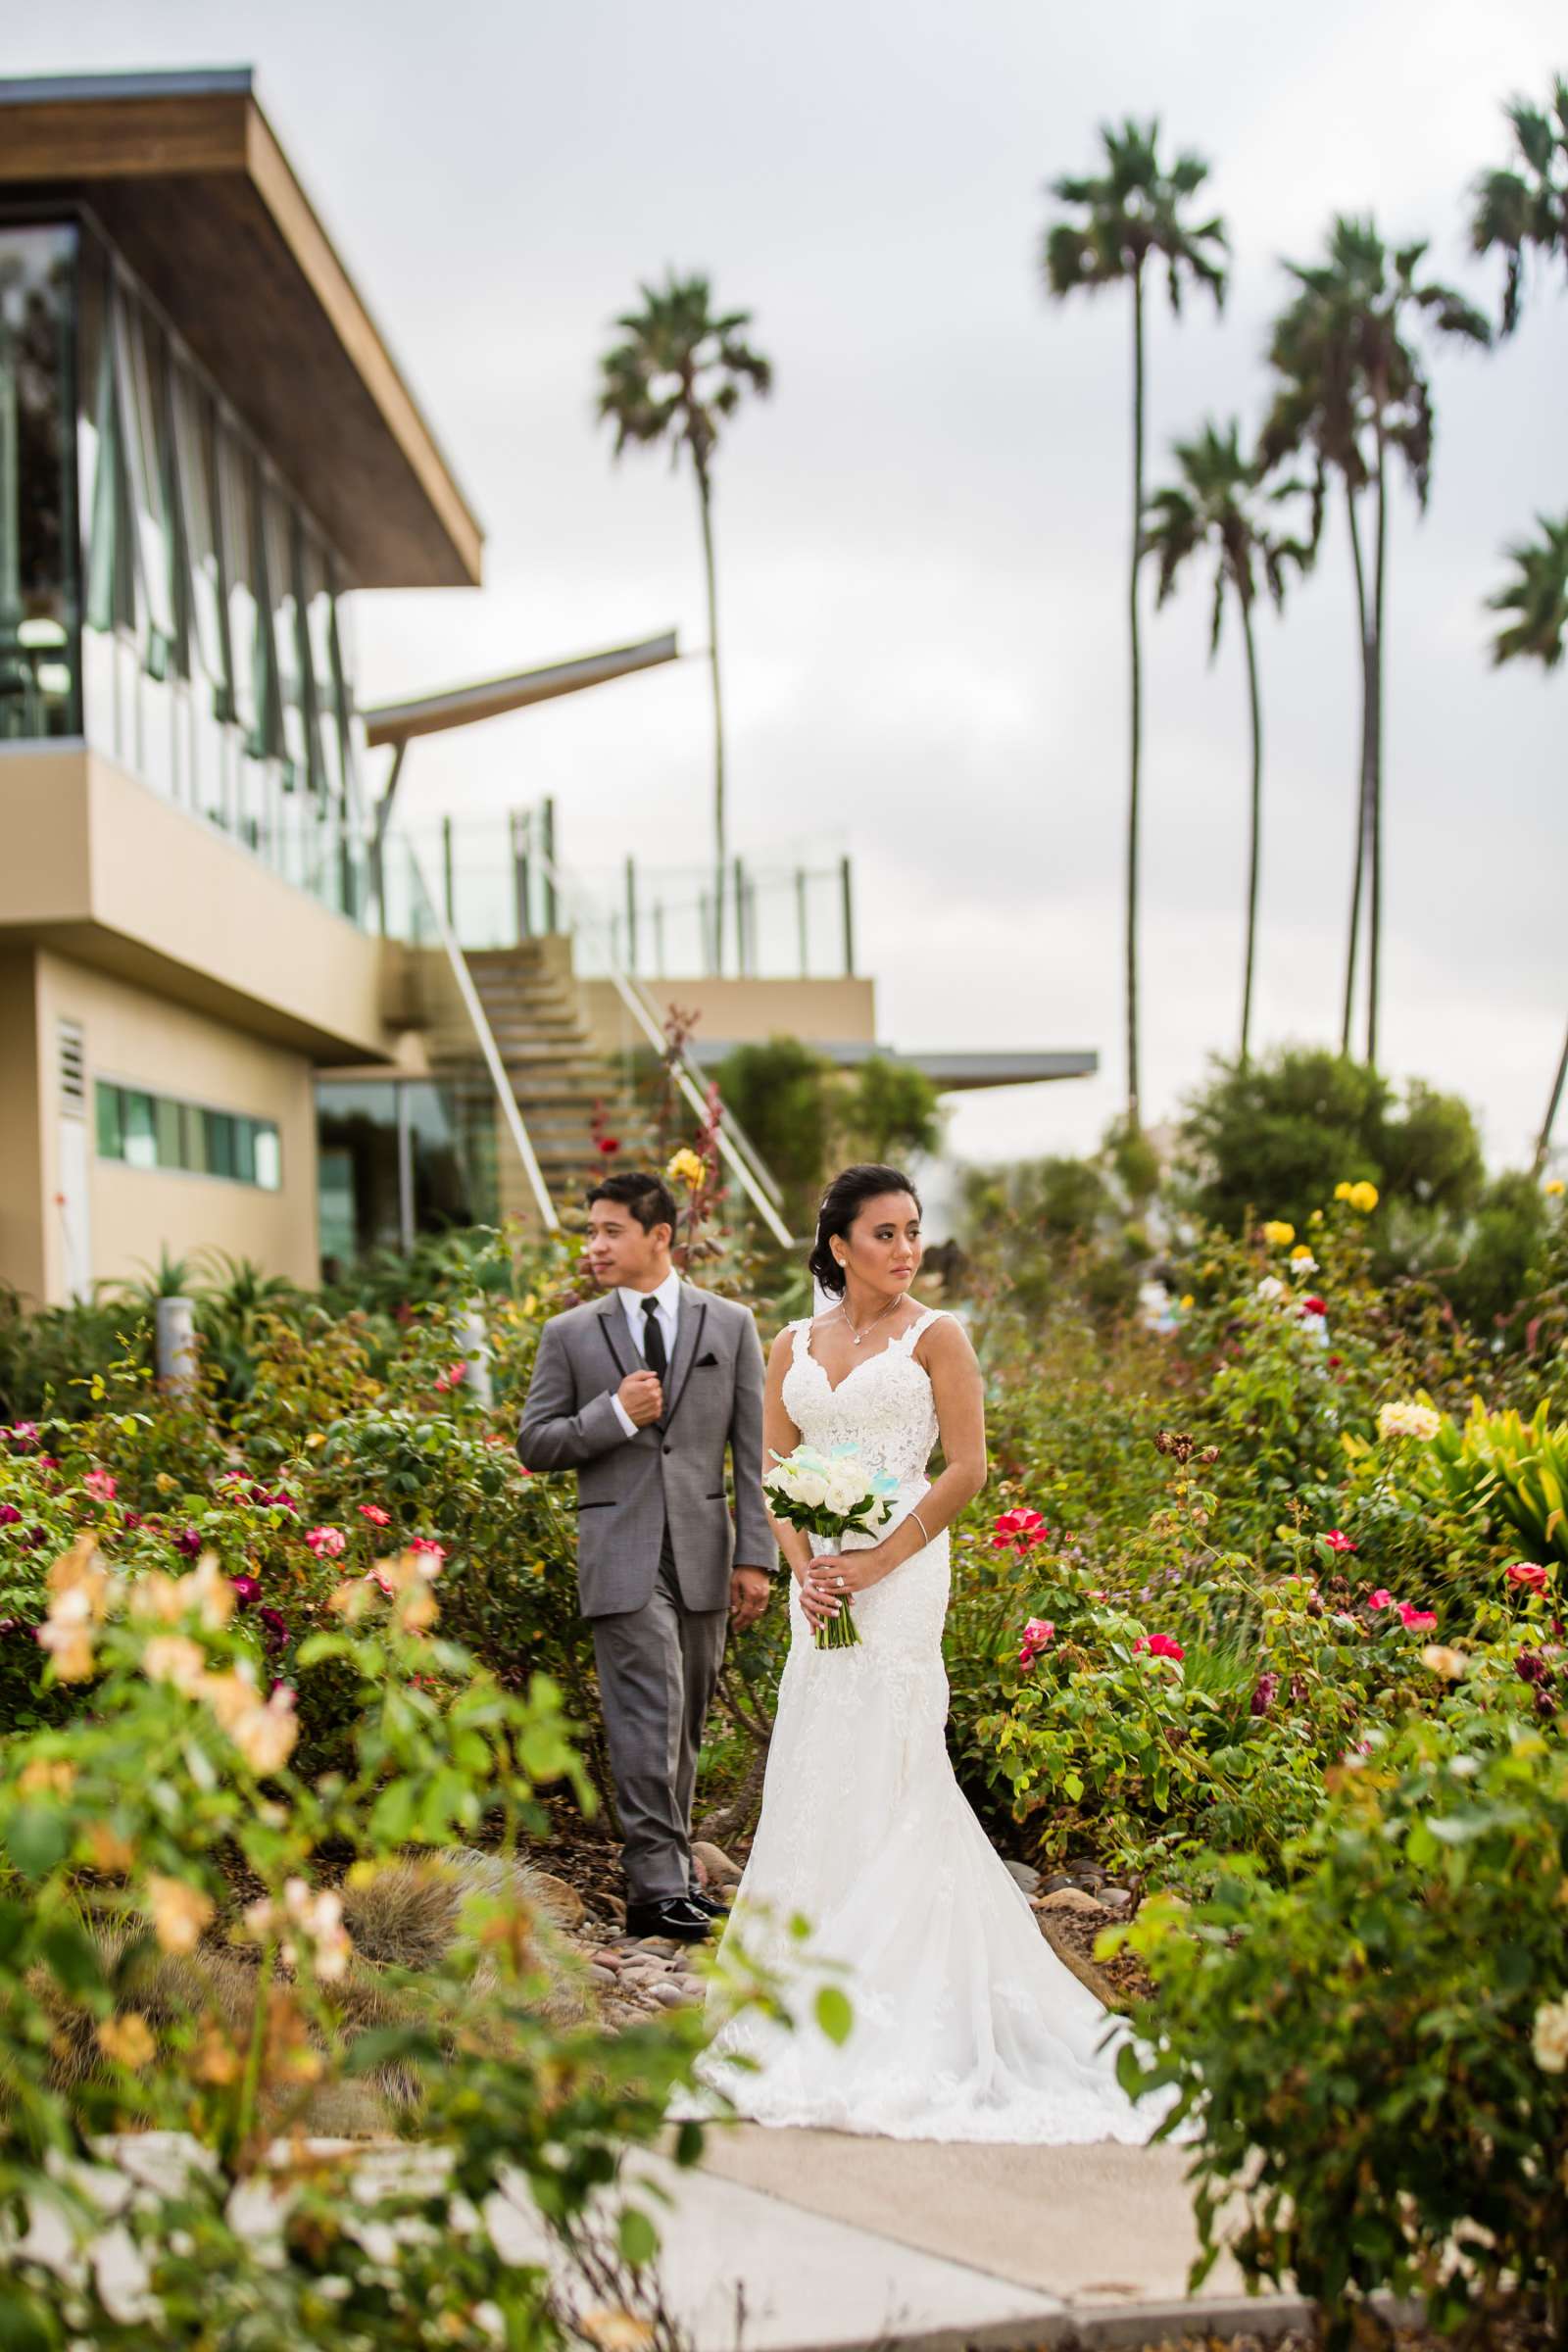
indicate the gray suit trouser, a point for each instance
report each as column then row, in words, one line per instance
column 657, row 1667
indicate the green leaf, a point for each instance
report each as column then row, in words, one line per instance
column 637, row 2238
column 39, row 1838
column 833, row 2013
column 1073, row 1784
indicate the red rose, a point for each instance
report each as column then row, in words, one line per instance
column 1022, row 1528
column 1337, row 1542
column 1159, row 1646
column 1528, row 1576
column 1313, row 1306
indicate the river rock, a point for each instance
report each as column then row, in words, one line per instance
column 714, row 1866
column 1024, row 1874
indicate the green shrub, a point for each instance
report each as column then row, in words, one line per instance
column 1360, row 2047
column 1272, row 1137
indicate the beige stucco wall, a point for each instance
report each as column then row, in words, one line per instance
column 743, row 1011
column 138, row 1037
column 102, row 868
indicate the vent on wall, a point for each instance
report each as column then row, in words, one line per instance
column 72, row 1070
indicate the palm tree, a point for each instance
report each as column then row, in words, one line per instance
column 1131, row 220
column 1356, row 389
column 680, row 369
column 1218, row 506
column 1526, row 209
column 1538, row 598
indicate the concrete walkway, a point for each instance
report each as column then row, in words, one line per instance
column 784, row 2240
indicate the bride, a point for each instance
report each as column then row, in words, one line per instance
column 965, row 2026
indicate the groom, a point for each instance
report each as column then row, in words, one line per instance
column 640, row 1391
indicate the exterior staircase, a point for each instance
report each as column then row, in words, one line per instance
column 561, row 1078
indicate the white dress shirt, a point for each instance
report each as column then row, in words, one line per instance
column 631, row 1306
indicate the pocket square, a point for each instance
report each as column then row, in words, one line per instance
column 704, row 1363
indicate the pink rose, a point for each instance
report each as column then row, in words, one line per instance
column 1414, row 1620
column 1382, row 1598
column 1019, row 1527
column 1038, row 1634
column 430, row 1548
column 327, row 1542
column 375, row 1515
column 1528, row 1576
column 1159, row 1646
column 99, row 1483
column 1337, row 1542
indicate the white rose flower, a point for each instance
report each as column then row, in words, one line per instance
column 846, row 1486
column 809, row 1485
column 1550, row 2043
column 1406, row 1420
column 1271, row 1287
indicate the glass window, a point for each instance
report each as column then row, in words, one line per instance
column 110, row 1129
column 168, row 1124
column 38, row 569
column 268, row 1158
column 140, row 1129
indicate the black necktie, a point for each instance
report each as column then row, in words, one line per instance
column 654, row 1355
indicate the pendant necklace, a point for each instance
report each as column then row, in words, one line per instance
column 855, row 1337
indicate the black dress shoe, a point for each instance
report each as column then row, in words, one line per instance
column 709, row 1905
column 674, row 1915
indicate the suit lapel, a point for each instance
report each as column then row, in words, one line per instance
column 688, row 1337
column 612, row 1323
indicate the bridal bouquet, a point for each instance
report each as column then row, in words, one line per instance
column 833, row 1496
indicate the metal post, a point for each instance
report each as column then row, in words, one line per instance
column 405, row 1167
column 448, row 880
column 738, row 891
column 704, row 926
column 754, row 953
column 632, row 914
column 547, row 830
column 847, row 889
column 801, row 922
column 174, row 1323
column 518, row 821
column 474, row 1347
column 659, row 936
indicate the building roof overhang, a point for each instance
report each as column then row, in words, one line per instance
column 493, row 697
column 186, row 176
column 949, row 1073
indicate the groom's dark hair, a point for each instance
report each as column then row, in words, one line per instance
column 649, row 1197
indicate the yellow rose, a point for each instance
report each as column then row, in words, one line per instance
column 1187, row 1302
column 686, row 1168
column 127, row 2039
column 1301, row 1251
column 1554, row 1188
column 1364, row 1197
column 1278, row 1234
column 180, row 1912
column 1343, row 1192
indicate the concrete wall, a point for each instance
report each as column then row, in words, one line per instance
column 138, row 1037
column 102, row 868
column 743, row 1011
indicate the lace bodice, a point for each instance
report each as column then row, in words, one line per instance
column 883, row 1405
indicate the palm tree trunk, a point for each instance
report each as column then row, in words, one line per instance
column 704, row 494
column 1374, row 775
column 1254, row 705
column 1544, row 1139
column 1136, row 708
column 1362, row 778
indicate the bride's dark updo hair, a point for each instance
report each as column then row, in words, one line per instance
column 842, row 1203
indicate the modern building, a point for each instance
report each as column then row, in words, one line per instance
column 236, row 1013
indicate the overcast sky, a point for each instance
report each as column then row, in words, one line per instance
column 921, row 536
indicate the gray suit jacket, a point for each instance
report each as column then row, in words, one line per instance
column 672, row 1472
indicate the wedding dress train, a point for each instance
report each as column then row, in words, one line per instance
column 967, row 2026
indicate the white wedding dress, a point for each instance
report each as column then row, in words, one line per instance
column 967, row 2026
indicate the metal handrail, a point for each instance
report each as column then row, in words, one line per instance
column 642, row 1011
column 505, row 1095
